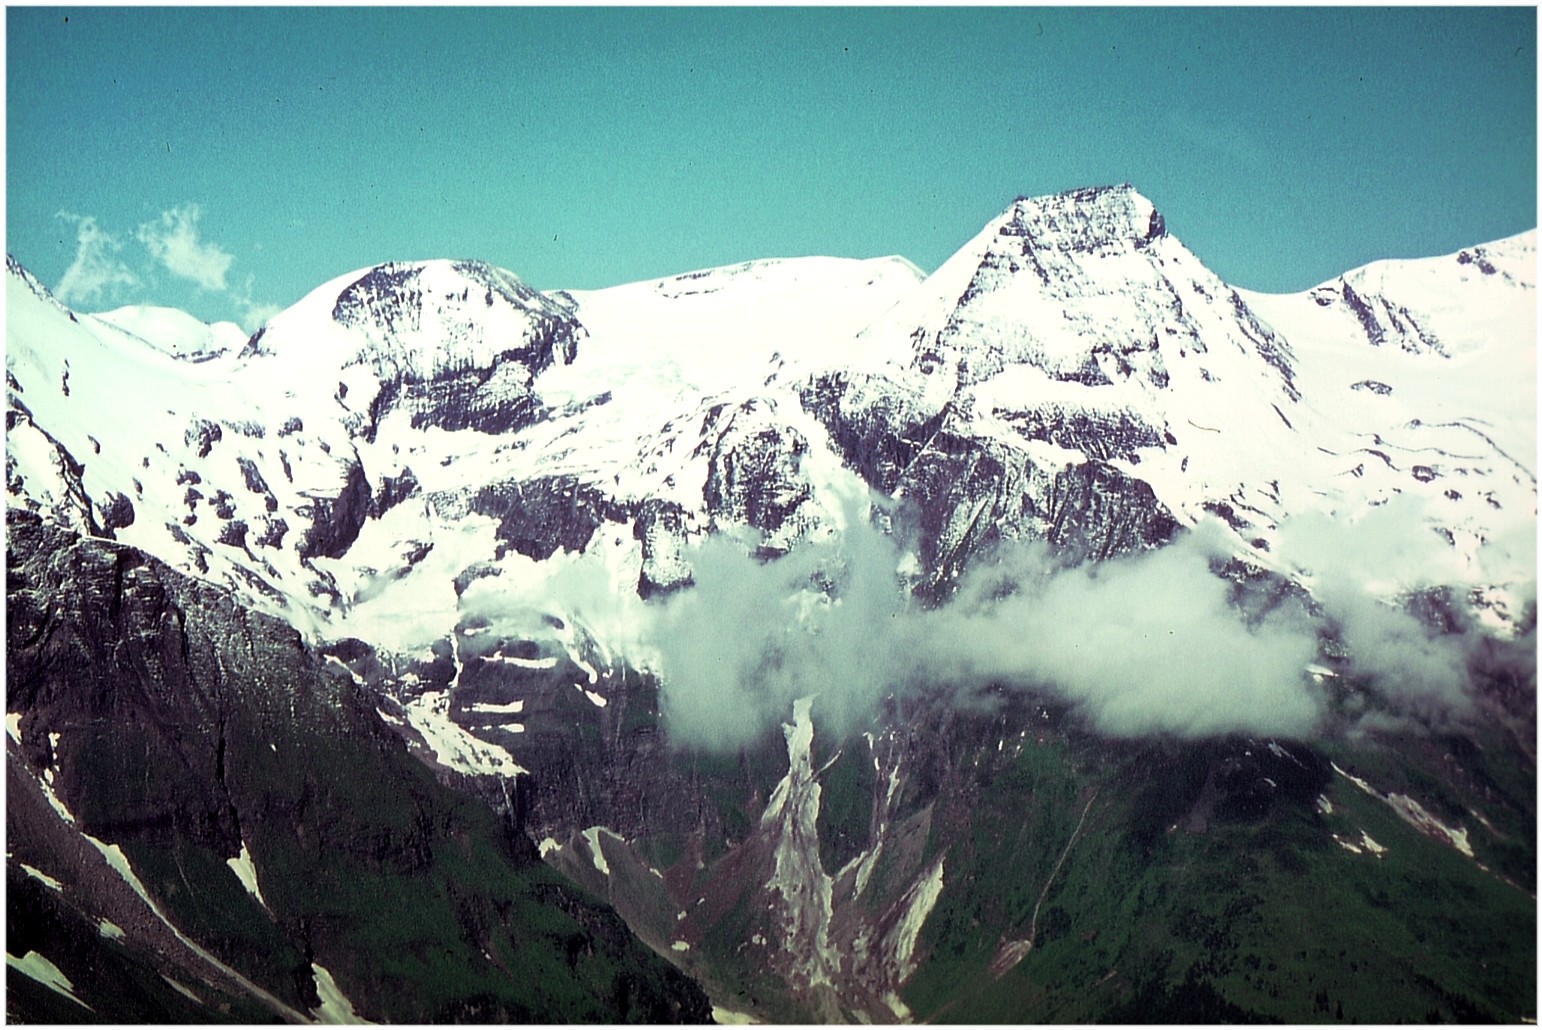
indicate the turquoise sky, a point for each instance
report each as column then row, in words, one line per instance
column 227, row 160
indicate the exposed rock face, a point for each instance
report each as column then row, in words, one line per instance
column 539, row 516
column 202, row 435
column 436, row 337
column 335, row 521
column 662, row 528
column 51, row 484
column 194, row 737
column 1096, row 511
column 753, row 475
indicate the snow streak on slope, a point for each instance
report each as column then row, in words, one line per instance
column 799, row 878
column 39, row 968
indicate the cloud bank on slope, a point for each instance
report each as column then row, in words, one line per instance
column 1149, row 643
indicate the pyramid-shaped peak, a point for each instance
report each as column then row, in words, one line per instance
column 1091, row 218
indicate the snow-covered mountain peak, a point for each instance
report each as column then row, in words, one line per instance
column 1080, row 287
column 456, row 344
column 1073, row 373
column 1095, row 219
column 412, row 320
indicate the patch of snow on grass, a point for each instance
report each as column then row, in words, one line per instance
column 332, row 659
column 1416, row 815
column 488, row 708
column 13, row 725
column 452, row 746
column 53, row 800
column 1370, row 845
column 548, row 845
column 112, row 931
column 335, row 1008
column 728, row 1017
column 246, row 872
column 919, row 901
column 1357, row 781
column 549, row 662
column 33, row 964
column 1419, row 817
column 589, row 670
column 41, row 877
column 592, row 835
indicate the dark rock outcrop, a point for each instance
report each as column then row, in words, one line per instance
column 336, row 521
column 753, row 468
column 537, row 517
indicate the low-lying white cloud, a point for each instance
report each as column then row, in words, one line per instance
column 1148, row 643
column 1142, row 645
column 1360, row 567
column 251, row 313
column 750, row 637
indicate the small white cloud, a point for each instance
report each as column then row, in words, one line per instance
column 97, row 270
column 173, row 242
column 254, row 315
column 251, row 313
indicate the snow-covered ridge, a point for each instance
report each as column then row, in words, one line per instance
column 414, row 321
column 176, row 332
column 1073, row 373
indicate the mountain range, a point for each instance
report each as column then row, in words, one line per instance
column 1065, row 635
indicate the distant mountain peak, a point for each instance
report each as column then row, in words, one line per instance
column 415, row 318
column 1091, row 218
column 385, row 294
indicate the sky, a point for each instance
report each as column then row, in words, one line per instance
column 229, row 160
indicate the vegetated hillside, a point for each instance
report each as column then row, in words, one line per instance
column 205, row 824
column 1222, row 880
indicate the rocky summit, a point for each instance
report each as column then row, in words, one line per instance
column 1065, row 635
